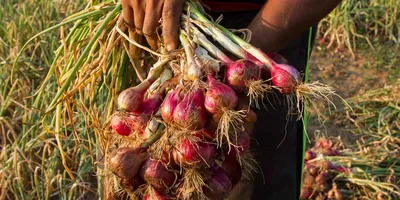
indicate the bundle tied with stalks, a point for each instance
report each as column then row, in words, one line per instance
column 167, row 124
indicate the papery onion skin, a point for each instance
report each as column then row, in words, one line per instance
column 190, row 112
column 168, row 106
column 240, row 72
column 155, row 174
column 126, row 162
column 219, row 96
column 285, row 78
column 194, row 153
column 121, row 124
column 131, row 99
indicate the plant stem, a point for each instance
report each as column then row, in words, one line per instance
column 83, row 57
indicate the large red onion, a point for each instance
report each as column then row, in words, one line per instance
column 142, row 116
column 155, row 174
column 169, row 104
column 285, row 77
column 121, row 124
column 240, row 73
column 126, row 162
column 193, row 153
column 131, row 99
column 219, row 96
column 233, row 170
column 190, row 112
column 219, row 183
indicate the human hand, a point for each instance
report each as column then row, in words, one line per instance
column 144, row 17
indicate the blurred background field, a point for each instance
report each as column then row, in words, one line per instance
column 357, row 51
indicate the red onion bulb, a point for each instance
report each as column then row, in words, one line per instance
column 219, row 96
column 190, row 112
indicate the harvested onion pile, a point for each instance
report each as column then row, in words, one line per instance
column 337, row 174
column 179, row 134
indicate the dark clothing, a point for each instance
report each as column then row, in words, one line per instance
column 279, row 156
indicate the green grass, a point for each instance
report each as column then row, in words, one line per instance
column 30, row 157
column 370, row 20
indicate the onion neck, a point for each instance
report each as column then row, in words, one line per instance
column 152, row 139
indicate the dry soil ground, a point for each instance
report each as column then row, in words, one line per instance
column 370, row 69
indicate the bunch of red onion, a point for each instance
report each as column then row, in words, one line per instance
column 318, row 172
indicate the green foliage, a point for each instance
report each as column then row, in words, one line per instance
column 371, row 20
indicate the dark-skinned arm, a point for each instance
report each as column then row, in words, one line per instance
column 280, row 21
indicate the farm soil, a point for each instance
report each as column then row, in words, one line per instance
column 350, row 77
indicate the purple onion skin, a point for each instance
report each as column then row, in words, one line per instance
column 168, row 106
column 194, row 154
column 121, row 124
column 219, row 96
column 190, row 112
column 285, row 77
column 309, row 155
column 233, row 170
column 240, row 72
column 155, row 174
column 219, row 184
